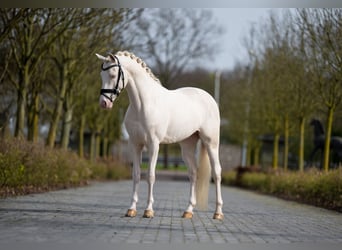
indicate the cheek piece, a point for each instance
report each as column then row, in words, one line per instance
column 116, row 90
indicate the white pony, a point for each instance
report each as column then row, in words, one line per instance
column 157, row 115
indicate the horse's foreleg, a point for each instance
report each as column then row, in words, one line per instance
column 153, row 153
column 136, row 150
column 313, row 153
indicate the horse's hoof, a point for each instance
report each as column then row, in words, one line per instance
column 187, row 215
column 148, row 213
column 218, row 216
column 131, row 213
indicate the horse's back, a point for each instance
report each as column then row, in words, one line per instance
column 194, row 101
column 198, row 96
column 336, row 142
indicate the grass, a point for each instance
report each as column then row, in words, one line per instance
column 27, row 167
column 312, row 187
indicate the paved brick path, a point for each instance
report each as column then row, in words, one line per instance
column 96, row 213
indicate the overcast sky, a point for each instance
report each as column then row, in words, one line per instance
column 236, row 23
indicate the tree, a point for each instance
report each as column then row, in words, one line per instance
column 281, row 91
column 9, row 18
column 71, row 55
column 29, row 40
column 322, row 31
column 272, row 82
column 303, row 97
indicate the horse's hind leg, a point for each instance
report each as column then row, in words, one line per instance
column 188, row 147
column 213, row 152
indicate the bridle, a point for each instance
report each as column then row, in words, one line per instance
column 115, row 91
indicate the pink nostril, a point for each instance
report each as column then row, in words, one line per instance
column 103, row 104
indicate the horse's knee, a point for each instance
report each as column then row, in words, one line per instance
column 217, row 177
column 192, row 174
column 151, row 179
column 216, row 169
column 136, row 176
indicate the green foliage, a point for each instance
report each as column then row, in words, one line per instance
column 109, row 170
column 27, row 167
column 229, row 178
column 313, row 187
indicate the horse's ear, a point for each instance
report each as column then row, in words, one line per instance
column 101, row 57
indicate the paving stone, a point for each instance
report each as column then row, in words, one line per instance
column 96, row 212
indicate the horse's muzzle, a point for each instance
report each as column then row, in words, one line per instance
column 105, row 104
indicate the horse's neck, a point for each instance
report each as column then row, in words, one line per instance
column 136, row 94
column 141, row 88
column 318, row 131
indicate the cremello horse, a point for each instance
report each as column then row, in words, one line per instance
column 157, row 115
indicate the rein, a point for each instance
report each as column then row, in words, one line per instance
column 115, row 91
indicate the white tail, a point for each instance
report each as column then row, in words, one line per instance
column 203, row 179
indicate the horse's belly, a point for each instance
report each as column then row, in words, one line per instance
column 176, row 136
column 181, row 128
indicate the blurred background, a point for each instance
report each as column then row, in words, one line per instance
column 270, row 71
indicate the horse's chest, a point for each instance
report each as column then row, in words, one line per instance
column 136, row 131
column 139, row 127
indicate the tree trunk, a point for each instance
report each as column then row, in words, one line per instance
column 301, row 144
column 67, row 119
column 33, row 119
column 249, row 154
column 275, row 151
column 5, row 131
column 256, row 155
column 327, row 139
column 57, row 110
column 105, row 142
column 21, row 103
column 92, row 146
column 19, row 126
column 97, row 145
column 286, row 142
column 81, row 136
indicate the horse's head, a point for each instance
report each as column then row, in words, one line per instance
column 316, row 122
column 113, row 80
column 313, row 122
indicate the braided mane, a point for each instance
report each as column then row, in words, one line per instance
column 139, row 61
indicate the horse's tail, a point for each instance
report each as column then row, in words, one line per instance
column 203, row 178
